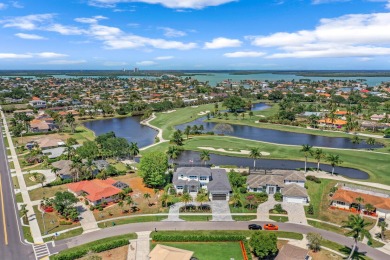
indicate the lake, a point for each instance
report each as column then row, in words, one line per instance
column 127, row 127
column 215, row 159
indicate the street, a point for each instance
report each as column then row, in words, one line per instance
column 11, row 233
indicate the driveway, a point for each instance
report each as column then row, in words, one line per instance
column 220, row 210
column 87, row 219
column 173, row 214
column 263, row 209
column 296, row 212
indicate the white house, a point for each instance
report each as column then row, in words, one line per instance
column 289, row 183
column 193, row 179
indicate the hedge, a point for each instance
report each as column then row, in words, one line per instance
column 195, row 238
column 58, row 182
column 313, row 178
column 110, row 245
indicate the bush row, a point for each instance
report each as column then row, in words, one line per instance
column 58, row 182
column 78, row 253
column 192, row 238
column 313, row 178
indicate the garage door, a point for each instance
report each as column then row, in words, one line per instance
column 295, row 199
column 219, row 196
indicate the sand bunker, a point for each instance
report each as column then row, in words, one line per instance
column 246, row 152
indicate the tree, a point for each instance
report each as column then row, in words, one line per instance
column 250, row 198
column 70, row 120
column 318, row 154
column 89, row 150
column 147, row 196
column 263, row 244
column 177, row 138
column 164, row 199
column 355, row 139
column 223, row 128
column 173, row 152
column 250, row 114
column 310, row 209
column 236, row 197
column 202, row 197
column 334, row 161
column 204, row 156
column 357, row 226
column 64, row 200
column 120, row 204
column 236, row 179
column 369, row 208
column 71, row 141
column 306, row 149
column 187, row 131
column 129, row 201
column 314, row 240
column 134, row 150
column 371, row 141
column 255, row 154
column 90, row 167
column 186, row 198
column 383, row 226
column 69, row 151
column 41, row 179
column 234, row 103
column 152, row 169
column 359, row 200
column 23, row 212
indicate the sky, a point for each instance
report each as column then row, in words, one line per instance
column 195, row 34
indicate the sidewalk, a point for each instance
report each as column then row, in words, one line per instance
column 34, row 227
column 139, row 248
column 159, row 135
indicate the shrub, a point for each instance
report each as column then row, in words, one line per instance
column 86, row 202
column 310, row 209
column 278, row 196
column 278, row 208
column 109, row 245
column 58, row 182
column 75, row 254
column 305, row 186
column 313, row 179
column 195, row 238
column 91, row 208
column 63, row 222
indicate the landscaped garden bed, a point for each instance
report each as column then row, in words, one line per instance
column 195, row 209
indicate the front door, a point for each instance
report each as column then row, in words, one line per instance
column 271, row 190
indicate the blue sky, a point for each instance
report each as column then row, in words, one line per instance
column 195, row 34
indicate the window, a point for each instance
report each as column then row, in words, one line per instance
column 179, row 187
column 340, row 202
column 193, row 177
column 203, row 178
column 182, row 176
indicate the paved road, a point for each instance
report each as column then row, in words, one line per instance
column 150, row 226
column 11, row 234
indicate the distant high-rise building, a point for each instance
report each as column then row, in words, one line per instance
column 136, row 69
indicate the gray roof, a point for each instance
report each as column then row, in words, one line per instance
column 193, row 171
column 219, row 181
column 294, row 190
column 290, row 252
column 275, row 177
column 57, row 152
column 64, row 166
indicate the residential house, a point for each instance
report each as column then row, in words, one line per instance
column 345, row 198
column 65, row 169
column 162, row 252
column 332, row 123
column 49, row 142
column 376, row 117
column 193, row 179
column 289, row 183
column 96, row 191
column 37, row 103
column 291, row 252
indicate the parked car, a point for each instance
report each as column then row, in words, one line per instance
column 271, row 227
column 254, row 227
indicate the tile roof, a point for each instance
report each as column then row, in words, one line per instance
column 162, row 252
column 294, row 190
column 349, row 197
column 276, row 177
column 335, row 121
column 96, row 189
column 290, row 252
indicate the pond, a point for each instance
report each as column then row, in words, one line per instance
column 127, row 127
column 189, row 157
column 280, row 137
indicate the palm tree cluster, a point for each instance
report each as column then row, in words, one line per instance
column 318, row 154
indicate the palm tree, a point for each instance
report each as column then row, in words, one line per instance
column 359, row 200
column 369, row 207
column 236, row 197
column 357, row 226
column 129, row 201
column 306, row 149
column 187, row 131
column 185, row 198
column 90, row 167
column 173, row 152
column 70, row 120
column 120, row 204
column 255, row 154
column 24, row 211
column 318, row 154
column 383, row 225
column 205, row 156
column 70, row 151
column 164, row 199
column 371, row 141
column 202, row 197
column 134, row 150
column 147, row 196
column 55, row 170
column 334, row 160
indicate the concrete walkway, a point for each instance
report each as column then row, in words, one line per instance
column 159, row 135
column 174, row 212
column 34, row 227
column 263, row 209
column 50, row 177
column 139, row 248
column 87, row 219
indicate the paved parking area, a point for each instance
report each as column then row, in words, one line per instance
column 296, row 212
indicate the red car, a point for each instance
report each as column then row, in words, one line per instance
column 270, row 227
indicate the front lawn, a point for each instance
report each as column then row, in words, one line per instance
column 15, row 182
column 68, row 234
column 278, row 218
column 209, row 250
column 47, row 192
column 30, row 180
column 131, row 220
column 196, row 217
column 244, row 217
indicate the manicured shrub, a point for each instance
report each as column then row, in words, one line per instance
column 63, row 222
column 310, row 209
column 109, row 245
column 278, row 196
column 58, row 182
column 313, row 179
column 195, row 238
column 75, row 254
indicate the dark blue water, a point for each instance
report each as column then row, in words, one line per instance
column 280, row 137
column 128, row 127
column 215, row 159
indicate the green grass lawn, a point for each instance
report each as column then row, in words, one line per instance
column 71, row 233
column 242, row 209
column 316, row 192
column 38, row 194
column 15, row 182
column 27, row 234
column 30, row 182
column 326, row 226
column 196, row 217
column 244, row 217
column 278, row 218
column 131, row 220
column 18, row 197
column 342, row 249
column 83, row 134
column 11, row 165
column 209, row 250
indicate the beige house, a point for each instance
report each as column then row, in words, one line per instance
column 161, row 252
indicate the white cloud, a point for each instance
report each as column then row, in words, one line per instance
column 49, row 55
column 244, row 54
column 349, row 35
column 114, row 63
column 190, row 4
column 164, row 58
column 316, row 2
column 15, row 56
column 94, row 19
column 146, row 63
column 16, row 4
column 3, row 6
column 170, row 32
column 64, row 30
column 64, row 62
column 28, row 22
column 30, row 36
column 221, row 42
